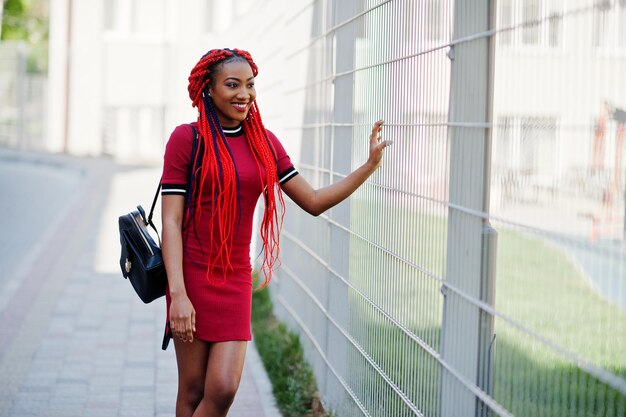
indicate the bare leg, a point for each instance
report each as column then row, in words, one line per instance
column 192, row 359
column 223, row 374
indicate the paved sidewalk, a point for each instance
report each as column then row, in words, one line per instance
column 76, row 340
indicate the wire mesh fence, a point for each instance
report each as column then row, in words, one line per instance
column 480, row 270
column 22, row 99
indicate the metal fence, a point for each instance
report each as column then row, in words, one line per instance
column 22, row 99
column 481, row 270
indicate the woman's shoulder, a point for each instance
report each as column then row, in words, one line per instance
column 182, row 135
column 272, row 136
column 278, row 146
column 185, row 128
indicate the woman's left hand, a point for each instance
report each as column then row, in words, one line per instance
column 377, row 145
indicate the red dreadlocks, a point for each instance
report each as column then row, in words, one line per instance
column 217, row 163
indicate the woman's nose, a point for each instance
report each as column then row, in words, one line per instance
column 243, row 93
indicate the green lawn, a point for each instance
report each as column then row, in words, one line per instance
column 537, row 285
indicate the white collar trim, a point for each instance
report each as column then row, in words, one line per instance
column 232, row 130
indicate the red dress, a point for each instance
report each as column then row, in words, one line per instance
column 222, row 307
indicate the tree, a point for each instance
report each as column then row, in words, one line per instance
column 27, row 20
column 13, row 18
column 1, row 14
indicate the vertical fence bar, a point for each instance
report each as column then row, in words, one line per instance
column 469, row 103
column 341, row 163
column 486, row 336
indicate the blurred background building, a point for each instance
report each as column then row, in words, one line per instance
column 481, row 270
column 119, row 69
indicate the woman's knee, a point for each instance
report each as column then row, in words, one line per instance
column 191, row 391
column 192, row 359
column 221, row 392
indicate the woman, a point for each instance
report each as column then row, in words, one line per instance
column 207, row 226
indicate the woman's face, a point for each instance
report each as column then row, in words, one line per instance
column 233, row 92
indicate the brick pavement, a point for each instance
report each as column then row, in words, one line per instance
column 76, row 341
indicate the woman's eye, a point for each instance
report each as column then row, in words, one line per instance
column 250, row 85
column 231, row 85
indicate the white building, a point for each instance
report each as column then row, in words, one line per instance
column 119, row 68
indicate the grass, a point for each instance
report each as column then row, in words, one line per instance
column 541, row 288
column 537, row 285
column 293, row 382
column 412, row 298
column 412, row 369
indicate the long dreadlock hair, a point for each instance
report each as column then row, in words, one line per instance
column 214, row 160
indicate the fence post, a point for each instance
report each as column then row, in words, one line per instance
column 341, row 163
column 486, row 335
column 467, row 332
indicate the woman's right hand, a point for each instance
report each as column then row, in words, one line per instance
column 182, row 318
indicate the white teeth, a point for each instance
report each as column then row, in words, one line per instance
column 241, row 106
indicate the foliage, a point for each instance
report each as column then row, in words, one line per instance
column 27, row 20
column 292, row 379
column 11, row 20
column 539, row 284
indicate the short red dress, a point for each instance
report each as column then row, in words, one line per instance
column 223, row 306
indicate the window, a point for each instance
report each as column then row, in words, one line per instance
column 133, row 131
column 530, row 23
column 134, row 16
column 209, row 16
column 524, row 159
column 537, row 145
column 609, row 25
column 531, row 13
column 120, row 15
column 525, row 145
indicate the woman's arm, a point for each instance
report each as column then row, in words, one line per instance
column 182, row 313
column 316, row 202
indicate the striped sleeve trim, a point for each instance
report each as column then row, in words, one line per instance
column 286, row 175
column 173, row 189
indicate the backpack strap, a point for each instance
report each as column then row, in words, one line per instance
column 190, row 179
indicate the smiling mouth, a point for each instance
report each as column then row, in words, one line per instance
column 240, row 106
